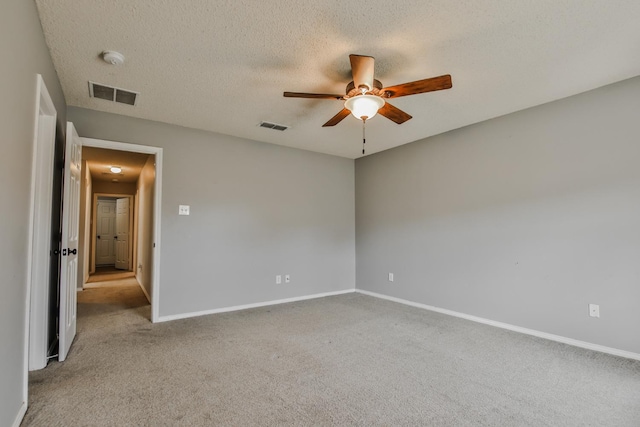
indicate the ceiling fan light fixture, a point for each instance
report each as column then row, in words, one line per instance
column 365, row 106
column 115, row 169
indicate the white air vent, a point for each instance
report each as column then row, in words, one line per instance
column 273, row 126
column 97, row 90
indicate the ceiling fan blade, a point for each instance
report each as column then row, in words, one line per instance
column 312, row 95
column 420, row 86
column 337, row 118
column 362, row 70
column 393, row 113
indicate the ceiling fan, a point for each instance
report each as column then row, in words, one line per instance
column 365, row 96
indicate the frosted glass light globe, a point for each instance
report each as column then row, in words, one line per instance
column 364, row 106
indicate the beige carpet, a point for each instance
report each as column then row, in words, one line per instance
column 103, row 275
column 114, row 282
column 344, row 360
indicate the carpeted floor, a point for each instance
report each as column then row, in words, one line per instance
column 344, row 360
column 107, row 274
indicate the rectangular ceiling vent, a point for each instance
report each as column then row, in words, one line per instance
column 114, row 94
column 273, row 126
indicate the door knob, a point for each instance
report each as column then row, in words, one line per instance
column 98, row 237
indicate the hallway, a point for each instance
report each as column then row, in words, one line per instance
column 109, row 276
column 110, row 296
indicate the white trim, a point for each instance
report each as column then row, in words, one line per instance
column 38, row 258
column 20, row 415
column 533, row 332
column 254, row 305
column 157, row 209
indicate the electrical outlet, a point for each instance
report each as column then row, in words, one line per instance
column 183, row 210
column 391, row 277
column 594, row 310
column 278, row 279
column 287, row 278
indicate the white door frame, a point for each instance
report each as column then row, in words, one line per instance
column 157, row 204
column 38, row 257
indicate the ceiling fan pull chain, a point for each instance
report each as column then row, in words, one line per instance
column 364, row 139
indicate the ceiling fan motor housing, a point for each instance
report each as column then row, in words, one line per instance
column 352, row 90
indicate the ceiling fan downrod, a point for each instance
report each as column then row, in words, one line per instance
column 364, row 139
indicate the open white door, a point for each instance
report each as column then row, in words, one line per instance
column 70, row 217
column 122, row 231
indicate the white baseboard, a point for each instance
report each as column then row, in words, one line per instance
column 533, row 332
column 552, row 337
column 20, row 415
column 254, row 305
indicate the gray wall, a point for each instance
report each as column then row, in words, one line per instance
column 24, row 55
column 257, row 210
column 524, row 219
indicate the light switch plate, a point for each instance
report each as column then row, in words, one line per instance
column 183, row 210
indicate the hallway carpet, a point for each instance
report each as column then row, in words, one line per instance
column 104, row 274
column 343, row 360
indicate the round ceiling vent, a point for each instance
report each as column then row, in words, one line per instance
column 112, row 57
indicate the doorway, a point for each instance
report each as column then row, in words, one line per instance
column 111, row 214
column 111, row 236
column 40, row 248
column 139, row 253
column 40, row 252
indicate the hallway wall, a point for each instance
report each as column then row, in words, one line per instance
column 145, row 225
column 114, row 188
column 84, row 226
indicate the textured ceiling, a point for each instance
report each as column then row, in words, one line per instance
column 222, row 66
column 99, row 160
